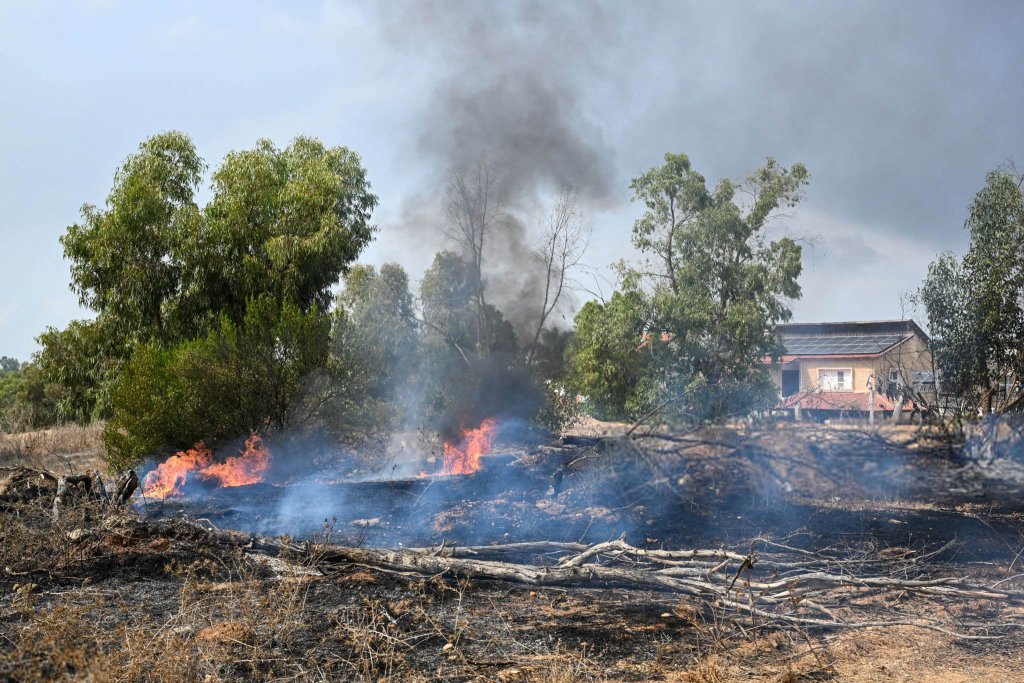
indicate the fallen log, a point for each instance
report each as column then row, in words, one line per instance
column 701, row 581
column 787, row 600
column 428, row 561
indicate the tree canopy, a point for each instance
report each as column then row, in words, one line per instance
column 282, row 225
column 236, row 379
column 975, row 306
column 711, row 288
column 375, row 343
column 448, row 295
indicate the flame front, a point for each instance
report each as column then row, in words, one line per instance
column 169, row 477
column 463, row 456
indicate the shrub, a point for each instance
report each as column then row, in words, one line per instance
column 236, row 380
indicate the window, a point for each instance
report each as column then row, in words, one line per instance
column 894, row 375
column 830, row 379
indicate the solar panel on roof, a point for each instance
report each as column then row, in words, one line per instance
column 828, row 345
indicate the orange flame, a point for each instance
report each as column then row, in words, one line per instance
column 169, row 477
column 463, row 457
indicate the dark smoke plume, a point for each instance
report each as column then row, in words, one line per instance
column 508, row 91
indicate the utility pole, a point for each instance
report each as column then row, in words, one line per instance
column 871, row 402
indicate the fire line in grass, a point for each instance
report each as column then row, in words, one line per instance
column 462, row 455
column 168, row 479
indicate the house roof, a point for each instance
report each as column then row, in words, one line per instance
column 846, row 345
column 865, row 338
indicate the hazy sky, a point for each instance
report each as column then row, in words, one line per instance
column 897, row 109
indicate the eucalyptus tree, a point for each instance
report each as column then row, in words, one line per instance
column 374, row 349
column 282, row 226
column 126, row 258
column 975, row 306
column 282, row 222
column 713, row 285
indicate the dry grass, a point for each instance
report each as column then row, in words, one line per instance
column 72, row 607
column 65, row 449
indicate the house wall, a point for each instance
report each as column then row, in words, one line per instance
column 862, row 370
column 910, row 356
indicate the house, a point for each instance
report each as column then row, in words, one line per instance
column 838, row 368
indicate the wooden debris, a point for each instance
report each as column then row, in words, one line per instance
column 67, row 486
column 90, row 486
column 125, row 487
column 801, row 583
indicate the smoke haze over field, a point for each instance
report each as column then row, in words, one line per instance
column 507, row 92
column 898, row 110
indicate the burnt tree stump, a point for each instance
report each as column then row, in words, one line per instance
column 68, row 486
column 124, row 488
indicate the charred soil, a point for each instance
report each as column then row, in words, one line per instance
column 854, row 529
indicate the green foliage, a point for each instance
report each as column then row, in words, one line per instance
column 956, row 348
column 240, row 378
column 27, row 399
column 10, row 378
column 126, row 260
column 80, row 360
column 282, row 223
column 12, row 419
column 975, row 307
column 560, row 410
column 608, row 363
column 720, row 287
column 36, row 401
column 374, row 345
column 286, row 223
column 705, row 302
column 447, row 295
column 455, row 340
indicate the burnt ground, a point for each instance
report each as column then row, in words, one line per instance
column 154, row 594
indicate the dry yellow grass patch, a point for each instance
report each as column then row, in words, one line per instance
column 68, row 448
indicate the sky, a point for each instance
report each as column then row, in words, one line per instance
column 897, row 109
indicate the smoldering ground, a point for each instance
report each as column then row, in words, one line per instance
column 817, row 486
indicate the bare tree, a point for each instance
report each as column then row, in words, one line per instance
column 473, row 208
column 564, row 239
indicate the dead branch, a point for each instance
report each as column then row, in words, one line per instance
column 616, row 563
column 796, row 598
